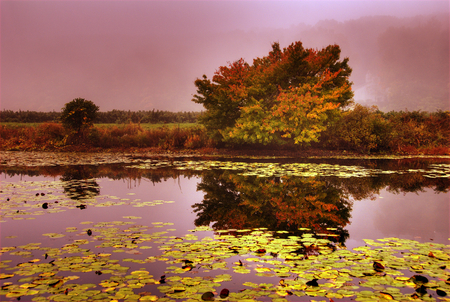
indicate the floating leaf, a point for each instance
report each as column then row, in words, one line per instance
column 418, row 279
column 53, row 235
column 312, row 283
column 224, row 293
column 6, row 276
column 386, row 296
column 421, row 290
column 378, row 266
column 208, row 296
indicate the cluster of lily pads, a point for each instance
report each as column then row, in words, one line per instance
column 262, row 169
column 51, row 277
column 299, row 267
column 38, row 158
column 34, row 159
column 386, row 269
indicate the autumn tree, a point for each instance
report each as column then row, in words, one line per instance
column 286, row 96
column 78, row 115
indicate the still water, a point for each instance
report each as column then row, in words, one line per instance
column 166, row 230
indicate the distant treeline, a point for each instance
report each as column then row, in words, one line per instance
column 108, row 117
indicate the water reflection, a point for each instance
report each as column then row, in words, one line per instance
column 79, row 184
column 324, row 204
column 143, row 223
column 238, row 202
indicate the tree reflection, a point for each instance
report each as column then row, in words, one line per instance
column 78, row 182
column 234, row 201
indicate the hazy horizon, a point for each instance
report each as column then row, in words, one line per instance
column 144, row 55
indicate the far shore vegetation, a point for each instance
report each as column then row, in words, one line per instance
column 363, row 130
column 293, row 99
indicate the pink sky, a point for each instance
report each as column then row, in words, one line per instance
column 144, row 55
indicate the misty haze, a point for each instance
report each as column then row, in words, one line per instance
column 146, row 55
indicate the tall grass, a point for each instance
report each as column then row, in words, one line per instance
column 52, row 136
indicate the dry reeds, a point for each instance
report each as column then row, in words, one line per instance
column 52, row 136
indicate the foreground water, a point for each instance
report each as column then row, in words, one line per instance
column 241, row 230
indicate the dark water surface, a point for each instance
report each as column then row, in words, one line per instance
column 134, row 215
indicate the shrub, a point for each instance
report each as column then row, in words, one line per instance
column 361, row 129
column 77, row 117
column 419, row 130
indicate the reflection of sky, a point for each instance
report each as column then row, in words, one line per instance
column 182, row 191
column 423, row 217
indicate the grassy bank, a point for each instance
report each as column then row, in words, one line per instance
column 53, row 137
column 189, row 137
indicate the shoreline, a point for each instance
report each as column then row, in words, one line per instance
column 97, row 157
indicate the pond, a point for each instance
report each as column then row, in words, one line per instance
column 135, row 228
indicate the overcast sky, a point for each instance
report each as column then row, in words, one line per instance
column 144, row 55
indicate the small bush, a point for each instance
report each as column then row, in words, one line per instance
column 79, row 114
column 367, row 130
column 362, row 129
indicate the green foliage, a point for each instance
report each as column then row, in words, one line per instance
column 283, row 97
column 252, row 126
column 79, row 115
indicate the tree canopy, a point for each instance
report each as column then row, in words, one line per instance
column 78, row 115
column 286, row 96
